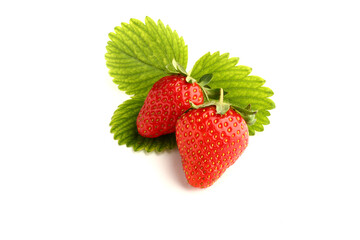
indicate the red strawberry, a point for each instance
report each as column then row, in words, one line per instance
column 209, row 143
column 167, row 100
column 210, row 139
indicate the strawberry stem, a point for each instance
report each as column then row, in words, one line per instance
column 221, row 96
column 221, row 106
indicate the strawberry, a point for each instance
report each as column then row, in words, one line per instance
column 210, row 139
column 167, row 100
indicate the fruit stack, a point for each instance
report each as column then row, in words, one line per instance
column 207, row 112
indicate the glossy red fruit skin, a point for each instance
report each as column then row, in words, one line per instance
column 209, row 143
column 167, row 100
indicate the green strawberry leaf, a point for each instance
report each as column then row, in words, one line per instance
column 242, row 89
column 204, row 80
column 139, row 53
column 123, row 126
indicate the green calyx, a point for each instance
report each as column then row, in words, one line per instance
column 176, row 68
column 246, row 113
column 222, row 107
column 203, row 82
column 211, row 94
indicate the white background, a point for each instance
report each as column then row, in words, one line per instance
column 62, row 176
